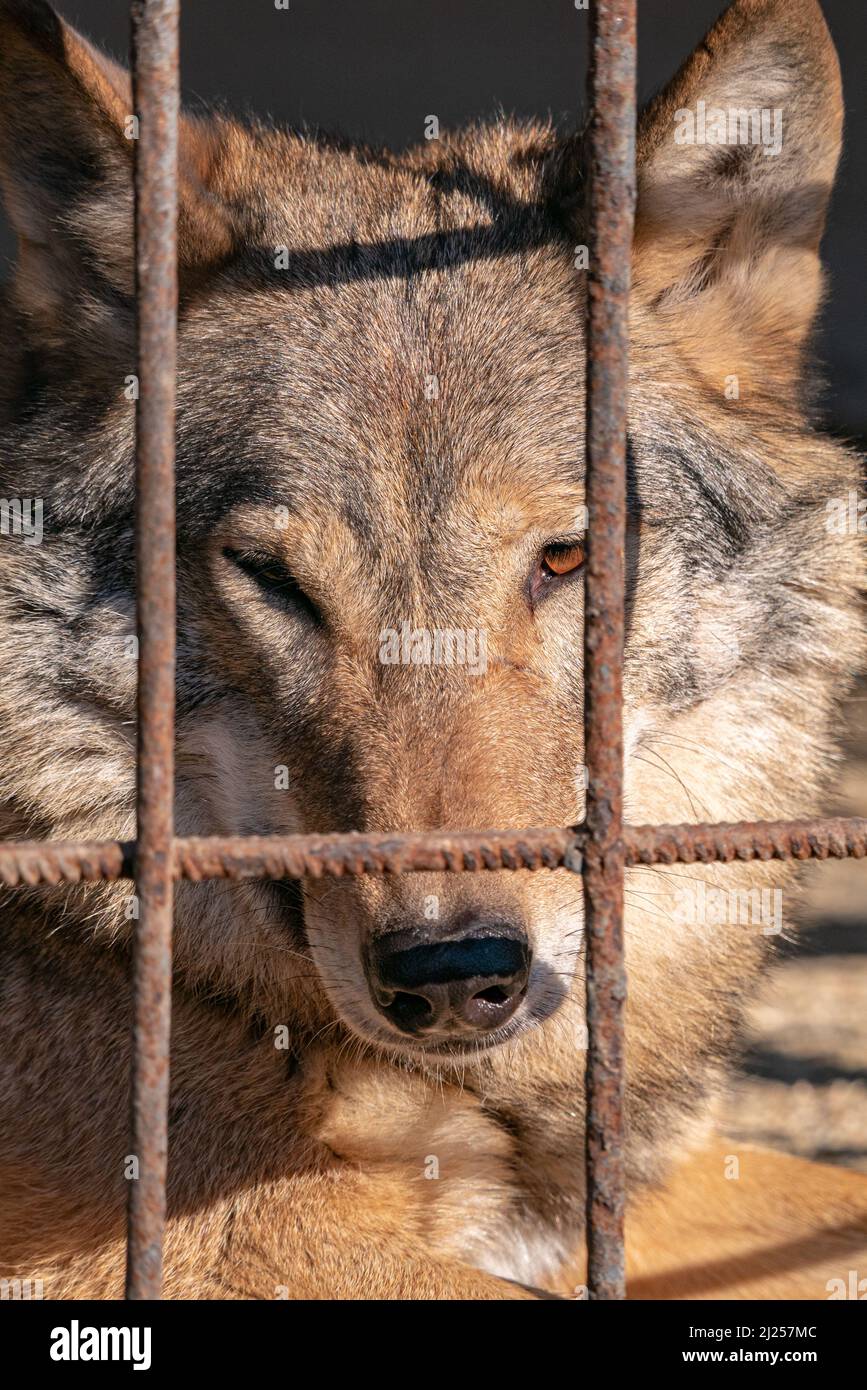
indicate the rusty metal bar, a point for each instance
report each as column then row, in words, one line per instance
column 611, row 182
column 841, row 837
column 27, row 863
column 155, row 60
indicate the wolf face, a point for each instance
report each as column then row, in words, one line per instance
column 381, row 536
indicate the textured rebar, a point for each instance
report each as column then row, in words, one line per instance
column 32, row 862
column 610, row 171
column 156, row 100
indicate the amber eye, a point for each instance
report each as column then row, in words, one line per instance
column 562, row 559
column 559, row 561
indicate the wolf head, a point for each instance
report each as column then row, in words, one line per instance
column 381, row 531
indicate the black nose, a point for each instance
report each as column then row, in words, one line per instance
column 473, row 982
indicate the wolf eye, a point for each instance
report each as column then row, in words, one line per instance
column 562, row 559
column 559, row 561
column 275, row 580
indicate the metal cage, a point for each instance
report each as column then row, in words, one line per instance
column 599, row 849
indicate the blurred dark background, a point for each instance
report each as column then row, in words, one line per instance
column 377, row 68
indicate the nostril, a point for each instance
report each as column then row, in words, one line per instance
column 492, row 1007
column 495, row 995
column 410, row 1011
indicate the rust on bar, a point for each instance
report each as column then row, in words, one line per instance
column 611, row 182
column 831, row 837
column 414, row 852
column 155, row 101
column 27, row 863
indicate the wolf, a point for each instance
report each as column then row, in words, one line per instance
column 377, row 1082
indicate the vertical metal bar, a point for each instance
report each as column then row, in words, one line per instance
column 611, row 171
column 155, row 101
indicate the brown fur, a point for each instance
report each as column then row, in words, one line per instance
column 304, row 1170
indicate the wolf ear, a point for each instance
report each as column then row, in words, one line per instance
column 736, row 160
column 66, row 162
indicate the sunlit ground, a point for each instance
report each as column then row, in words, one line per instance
column 803, row 1085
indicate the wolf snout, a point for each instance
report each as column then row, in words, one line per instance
column 473, row 982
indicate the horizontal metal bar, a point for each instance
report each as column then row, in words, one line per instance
column 31, row 862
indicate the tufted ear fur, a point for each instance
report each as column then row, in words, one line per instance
column 737, row 158
column 66, row 162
